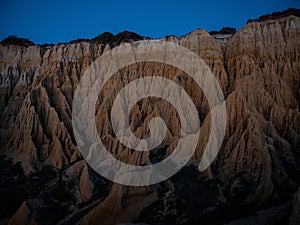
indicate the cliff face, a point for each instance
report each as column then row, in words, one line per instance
column 258, row 69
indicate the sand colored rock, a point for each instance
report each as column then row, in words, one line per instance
column 258, row 71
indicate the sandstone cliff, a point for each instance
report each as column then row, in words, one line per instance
column 258, row 69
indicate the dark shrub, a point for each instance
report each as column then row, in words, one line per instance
column 224, row 30
column 14, row 40
column 277, row 15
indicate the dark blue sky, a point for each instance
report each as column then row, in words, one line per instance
column 61, row 21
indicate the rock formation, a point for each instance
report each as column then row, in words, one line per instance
column 258, row 69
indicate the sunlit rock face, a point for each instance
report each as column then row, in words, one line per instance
column 258, row 69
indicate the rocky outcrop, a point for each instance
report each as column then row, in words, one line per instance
column 123, row 204
column 24, row 215
column 259, row 162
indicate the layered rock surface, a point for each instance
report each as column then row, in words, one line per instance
column 258, row 69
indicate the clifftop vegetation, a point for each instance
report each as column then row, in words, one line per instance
column 14, row 40
column 277, row 15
